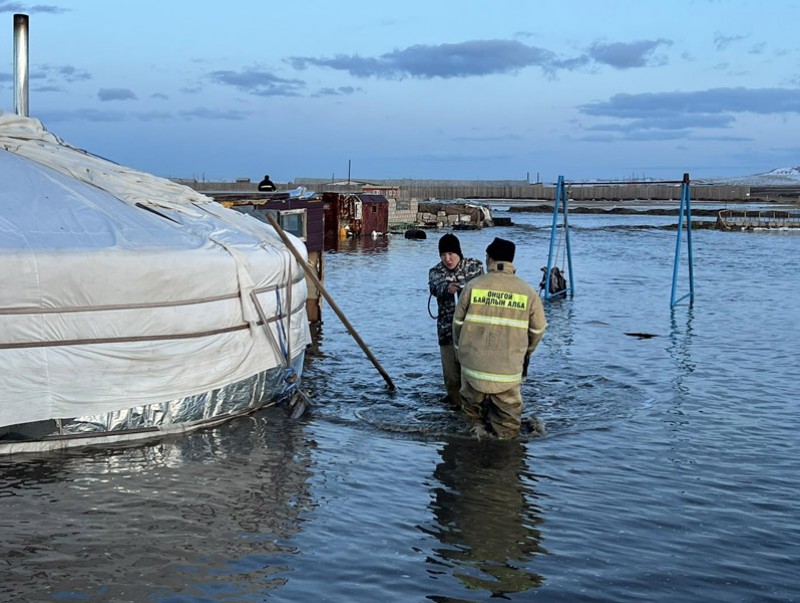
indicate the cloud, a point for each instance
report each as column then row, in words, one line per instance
column 71, row 74
column 724, row 138
column 500, row 138
column 155, row 116
column 762, row 101
column 484, row 57
column 205, row 113
column 68, row 73
column 54, row 75
column 722, row 42
column 159, row 95
column 621, row 55
column 462, row 157
column 340, row 91
column 48, row 88
column 81, row 115
column 675, row 122
column 94, row 115
column 463, row 59
column 115, row 94
column 637, row 135
column 19, row 7
column 670, row 115
column 258, row 82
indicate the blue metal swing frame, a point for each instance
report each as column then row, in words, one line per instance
column 560, row 208
column 686, row 211
column 559, row 205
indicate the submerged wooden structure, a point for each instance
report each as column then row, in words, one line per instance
column 730, row 219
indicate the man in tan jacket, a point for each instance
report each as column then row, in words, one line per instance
column 498, row 322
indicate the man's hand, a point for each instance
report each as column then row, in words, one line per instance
column 525, row 364
column 453, row 288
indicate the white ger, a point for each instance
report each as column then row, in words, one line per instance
column 131, row 306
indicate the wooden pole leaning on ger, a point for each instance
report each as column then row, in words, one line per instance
column 310, row 272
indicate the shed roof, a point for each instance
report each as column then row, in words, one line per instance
column 372, row 198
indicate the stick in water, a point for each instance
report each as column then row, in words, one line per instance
column 326, row 295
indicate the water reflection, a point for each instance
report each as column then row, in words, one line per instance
column 680, row 348
column 215, row 511
column 560, row 334
column 485, row 518
column 365, row 244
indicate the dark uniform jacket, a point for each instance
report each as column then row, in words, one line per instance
column 439, row 277
column 499, row 320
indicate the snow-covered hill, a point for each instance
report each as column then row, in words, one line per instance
column 789, row 176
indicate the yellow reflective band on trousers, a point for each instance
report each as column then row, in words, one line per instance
column 496, row 320
column 491, row 376
column 499, row 299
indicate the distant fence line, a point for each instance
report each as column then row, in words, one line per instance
column 546, row 192
column 624, row 192
column 442, row 189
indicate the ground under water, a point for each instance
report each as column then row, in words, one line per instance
column 668, row 472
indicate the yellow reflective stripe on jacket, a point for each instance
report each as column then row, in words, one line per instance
column 496, row 320
column 491, row 376
column 499, row 299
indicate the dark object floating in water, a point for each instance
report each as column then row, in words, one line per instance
column 642, row 335
column 558, row 284
column 416, row 233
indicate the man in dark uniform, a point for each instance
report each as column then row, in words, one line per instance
column 266, row 184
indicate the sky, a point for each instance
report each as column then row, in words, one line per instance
column 434, row 89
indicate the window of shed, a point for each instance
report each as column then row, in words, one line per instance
column 295, row 223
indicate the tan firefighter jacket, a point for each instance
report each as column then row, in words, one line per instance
column 499, row 319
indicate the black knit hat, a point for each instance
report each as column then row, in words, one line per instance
column 501, row 250
column 450, row 243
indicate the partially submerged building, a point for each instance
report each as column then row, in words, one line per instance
column 354, row 215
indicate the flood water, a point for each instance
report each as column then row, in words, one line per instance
column 669, row 471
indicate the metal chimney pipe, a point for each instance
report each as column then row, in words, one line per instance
column 21, row 65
